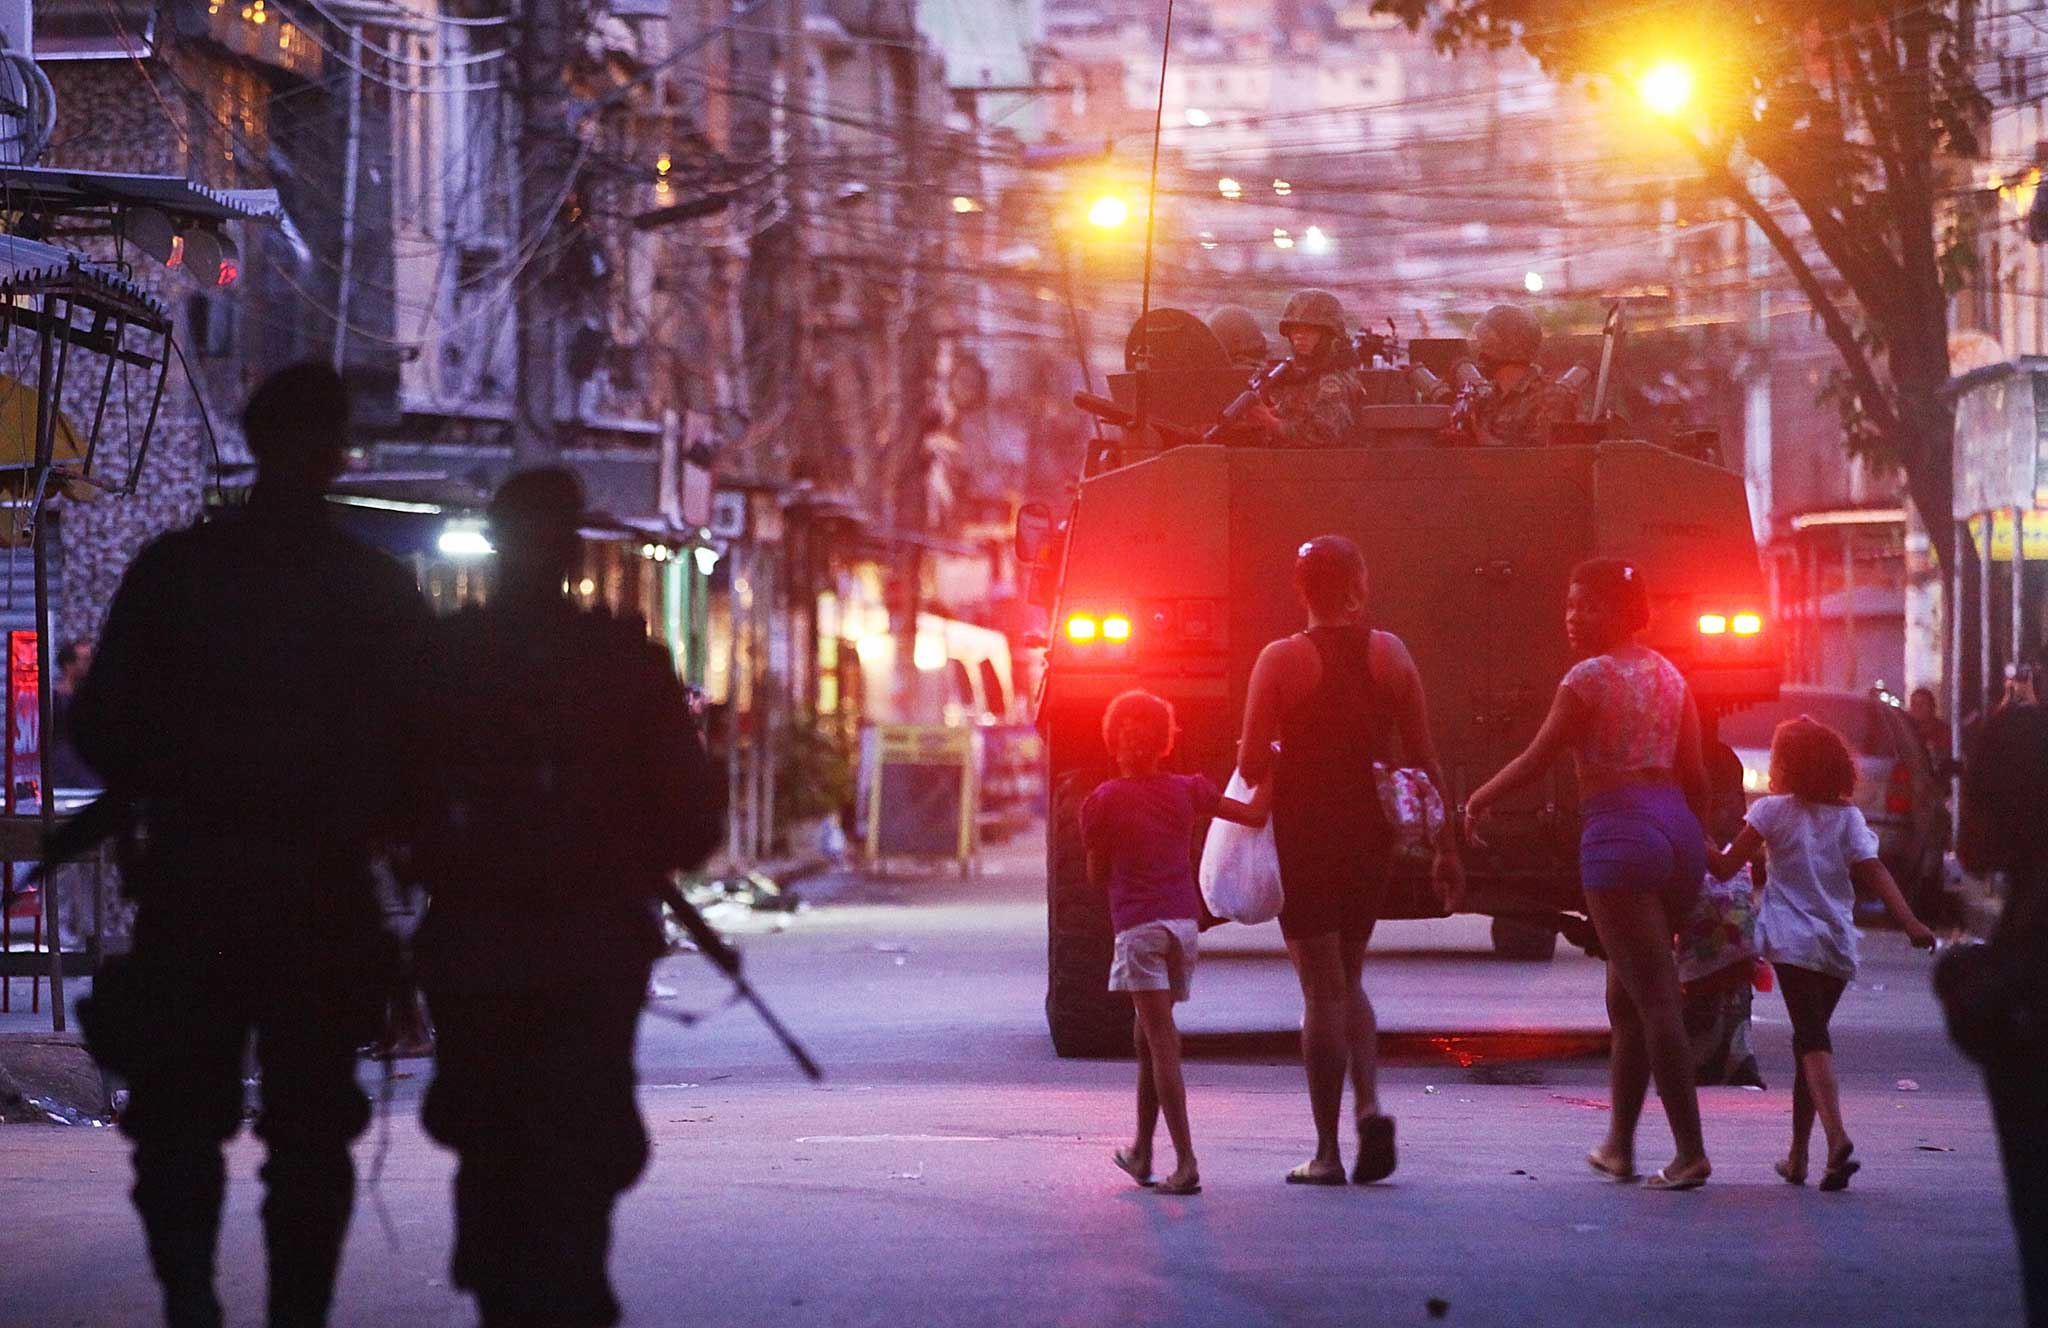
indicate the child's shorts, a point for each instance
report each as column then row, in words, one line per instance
column 1156, row 956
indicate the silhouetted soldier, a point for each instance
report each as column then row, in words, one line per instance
column 570, row 782
column 243, row 709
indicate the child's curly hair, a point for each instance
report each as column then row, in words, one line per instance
column 1152, row 717
column 1812, row 762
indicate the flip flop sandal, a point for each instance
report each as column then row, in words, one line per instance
column 1128, row 1164
column 1302, row 1175
column 1192, row 1185
column 1618, row 1175
column 1375, row 1150
column 1836, row 1177
column 1787, row 1174
column 1661, row 1181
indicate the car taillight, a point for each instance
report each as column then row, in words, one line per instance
column 1745, row 623
column 1081, row 628
column 1898, row 792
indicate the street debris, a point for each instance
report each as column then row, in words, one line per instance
column 744, row 902
column 1437, row 1306
column 908, row 1175
column 1934, row 1148
column 1909, row 1085
column 1429, row 1089
column 59, row 1113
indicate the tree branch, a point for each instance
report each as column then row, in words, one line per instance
column 1871, row 396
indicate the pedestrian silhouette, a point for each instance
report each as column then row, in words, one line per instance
column 567, row 782
column 243, row 712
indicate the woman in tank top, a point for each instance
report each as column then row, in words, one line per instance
column 1333, row 696
column 1627, row 717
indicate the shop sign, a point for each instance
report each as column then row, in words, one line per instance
column 2001, row 442
column 2035, row 523
column 24, row 722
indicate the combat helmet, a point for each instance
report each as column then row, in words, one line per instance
column 1505, row 334
column 1238, row 329
column 1315, row 307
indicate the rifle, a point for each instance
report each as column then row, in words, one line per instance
column 1610, row 340
column 1253, row 393
column 1474, row 394
column 1109, row 412
column 111, row 815
column 727, row 960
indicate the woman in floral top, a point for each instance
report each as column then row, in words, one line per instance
column 1627, row 716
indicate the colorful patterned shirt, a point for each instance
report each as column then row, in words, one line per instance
column 1637, row 699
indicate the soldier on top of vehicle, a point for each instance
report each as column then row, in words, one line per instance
column 1525, row 400
column 1243, row 341
column 1318, row 405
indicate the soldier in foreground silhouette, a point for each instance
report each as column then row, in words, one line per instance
column 568, row 782
column 242, row 710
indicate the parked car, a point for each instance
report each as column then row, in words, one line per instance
column 1901, row 788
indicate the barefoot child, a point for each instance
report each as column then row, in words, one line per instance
column 1819, row 851
column 1139, row 831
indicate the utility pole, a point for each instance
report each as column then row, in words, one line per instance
column 541, row 189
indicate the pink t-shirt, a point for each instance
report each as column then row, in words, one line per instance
column 1637, row 698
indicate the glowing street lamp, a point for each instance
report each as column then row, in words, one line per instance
column 1108, row 212
column 1532, row 282
column 1229, row 188
column 1666, row 87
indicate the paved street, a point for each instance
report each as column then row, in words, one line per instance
column 952, row 1171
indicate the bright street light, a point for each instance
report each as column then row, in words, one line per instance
column 1315, row 241
column 1666, row 87
column 1229, row 188
column 1197, row 117
column 1281, row 239
column 1532, row 282
column 1108, row 212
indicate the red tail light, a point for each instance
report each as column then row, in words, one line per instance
column 1898, row 792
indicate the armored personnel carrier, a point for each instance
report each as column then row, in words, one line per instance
column 1173, row 570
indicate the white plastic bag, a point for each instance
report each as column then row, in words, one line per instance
column 1240, row 874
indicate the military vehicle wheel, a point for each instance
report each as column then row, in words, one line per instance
column 1517, row 938
column 1086, row 1018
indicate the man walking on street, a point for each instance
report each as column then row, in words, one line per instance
column 243, row 712
column 568, row 781
column 1997, row 994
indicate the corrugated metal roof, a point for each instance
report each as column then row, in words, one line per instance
column 31, row 262
column 52, row 190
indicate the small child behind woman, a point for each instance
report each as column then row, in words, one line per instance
column 1139, row 829
column 1820, row 851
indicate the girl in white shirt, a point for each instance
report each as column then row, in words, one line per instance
column 1819, row 851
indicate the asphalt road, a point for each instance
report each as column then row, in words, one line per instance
column 952, row 1171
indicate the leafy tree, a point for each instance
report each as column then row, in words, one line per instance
column 1855, row 108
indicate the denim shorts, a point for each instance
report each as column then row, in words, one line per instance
column 1642, row 837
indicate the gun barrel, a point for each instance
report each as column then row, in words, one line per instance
column 1102, row 408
